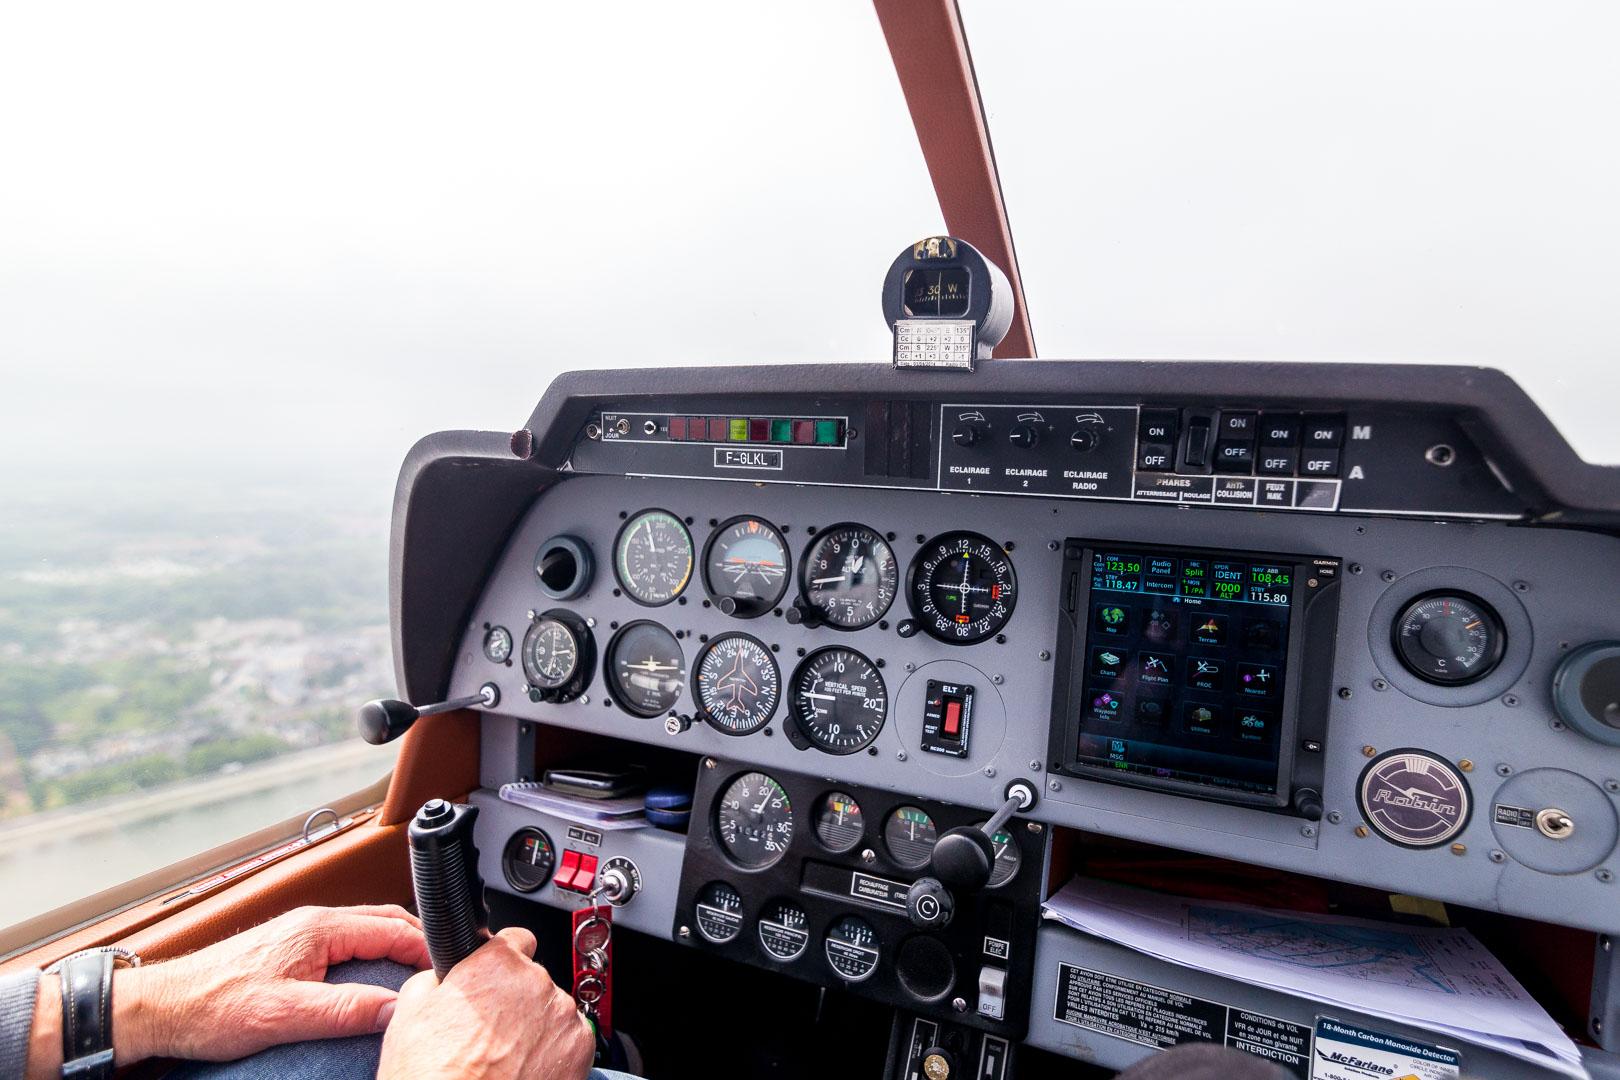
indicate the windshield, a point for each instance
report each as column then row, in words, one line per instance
column 1381, row 182
column 251, row 254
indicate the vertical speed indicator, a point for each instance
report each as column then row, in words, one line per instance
column 963, row 588
column 838, row 700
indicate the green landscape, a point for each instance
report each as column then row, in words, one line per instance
column 153, row 636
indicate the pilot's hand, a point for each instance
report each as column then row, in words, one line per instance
column 263, row 986
column 496, row 1016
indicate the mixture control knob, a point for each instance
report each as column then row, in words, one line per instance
column 929, row 904
column 1084, row 439
column 967, row 435
column 1025, row 436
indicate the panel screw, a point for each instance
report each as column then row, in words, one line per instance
column 990, row 770
column 1557, row 724
column 1307, row 831
column 1361, row 832
column 1504, row 769
column 1387, row 576
column 899, row 755
column 708, row 763
column 1051, row 545
column 1033, row 826
column 1510, row 700
column 868, row 856
column 530, row 613
column 1035, row 766
column 1498, row 856
column 1605, row 875
column 1054, row 785
column 1521, row 586
column 1369, row 751
column 910, row 666
column 1459, row 849
column 1044, row 655
column 685, row 931
column 1380, row 684
column 1611, row 786
column 1334, row 817
column 584, row 699
column 1344, row 693
column 1355, row 568
column 997, row 679
column 1466, row 765
column 959, row 1004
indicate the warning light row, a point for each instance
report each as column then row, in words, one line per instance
column 756, row 429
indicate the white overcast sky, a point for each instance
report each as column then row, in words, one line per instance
column 286, row 234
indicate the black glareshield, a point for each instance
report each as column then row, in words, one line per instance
column 444, row 874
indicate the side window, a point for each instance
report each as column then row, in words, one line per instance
column 251, row 255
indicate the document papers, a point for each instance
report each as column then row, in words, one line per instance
column 1430, row 977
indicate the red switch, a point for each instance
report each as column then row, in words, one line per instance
column 804, row 432
column 953, row 718
column 718, row 429
column 586, row 878
column 566, row 870
column 677, row 427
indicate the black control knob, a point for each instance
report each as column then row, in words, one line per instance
column 1084, row 440
column 929, row 904
column 967, row 435
column 1024, row 436
column 963, row 859
column 384, row 720
column 801, row 613
column 1308, row 804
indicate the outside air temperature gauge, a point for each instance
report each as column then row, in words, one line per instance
column 1449, row 638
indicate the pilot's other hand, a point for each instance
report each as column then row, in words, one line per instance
column 263, row 987
column 496, row 1016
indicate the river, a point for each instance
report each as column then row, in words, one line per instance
column 51, row 859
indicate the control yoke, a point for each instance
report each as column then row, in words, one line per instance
column 963, row 860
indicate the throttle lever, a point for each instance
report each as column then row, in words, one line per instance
column 444, row 875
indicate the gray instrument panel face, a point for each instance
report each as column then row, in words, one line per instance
column 1553, row 581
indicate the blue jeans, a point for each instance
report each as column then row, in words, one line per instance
column 354, row 1058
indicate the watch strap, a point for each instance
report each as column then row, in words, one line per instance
column 87, row 1040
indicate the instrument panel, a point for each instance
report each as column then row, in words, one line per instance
column 966, row 655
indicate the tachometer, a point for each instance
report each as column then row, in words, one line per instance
column 754, row 820
column 653, row 557
column 646, row 670
column 737, row 684
column 962, row 588
column 1449, row 638
column 838, row 700
column 849, row 576
column 910, row 834
column 745, row 567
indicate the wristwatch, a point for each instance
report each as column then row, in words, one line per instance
column 87, row 1037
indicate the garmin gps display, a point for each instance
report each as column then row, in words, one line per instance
column 1182, row 665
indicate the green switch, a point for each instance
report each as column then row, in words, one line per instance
column 781, row 431
column 826, row 433
column 739, row 430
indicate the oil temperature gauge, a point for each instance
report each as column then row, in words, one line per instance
column 852, row 948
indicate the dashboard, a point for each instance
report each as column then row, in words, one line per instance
column 1360, row 629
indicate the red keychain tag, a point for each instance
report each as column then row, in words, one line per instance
column 593, row 965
